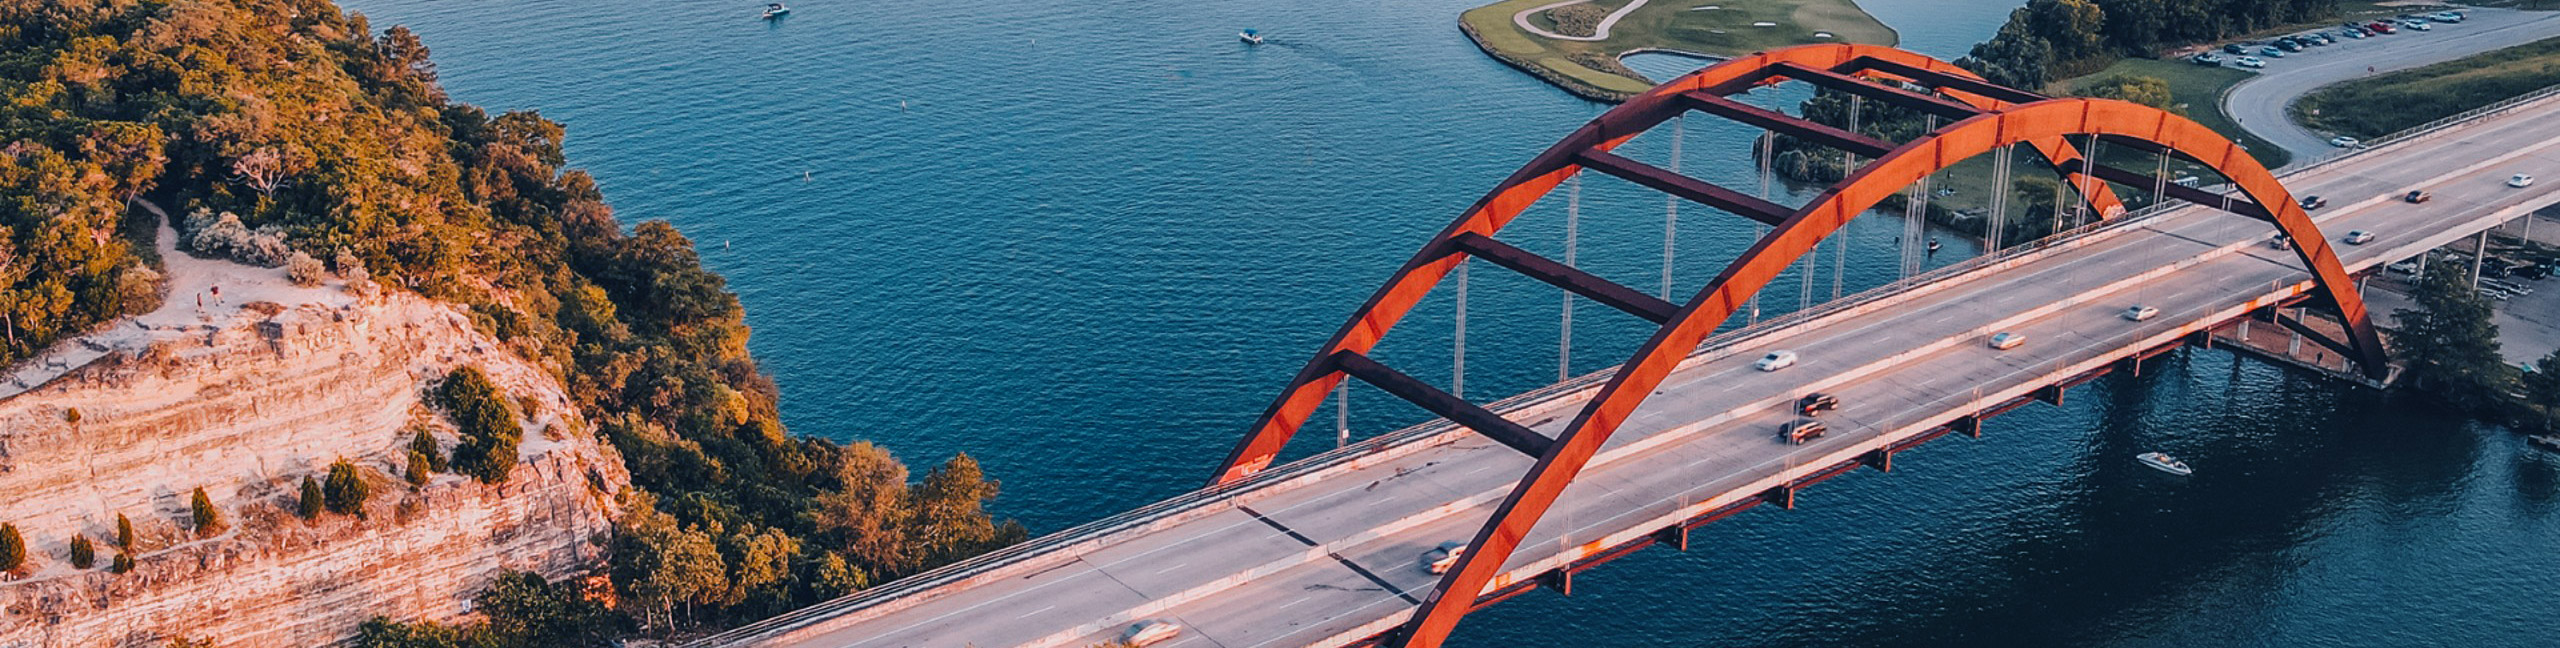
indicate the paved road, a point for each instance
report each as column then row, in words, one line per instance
column 1323, row 559
column 2260, row 102
column 1598, row 33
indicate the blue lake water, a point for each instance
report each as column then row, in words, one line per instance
column 1086, row 243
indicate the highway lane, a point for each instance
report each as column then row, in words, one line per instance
column 1336, row 558
column 2259, row 103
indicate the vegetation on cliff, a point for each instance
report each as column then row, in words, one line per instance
column 292, row 130
column 2375, row 106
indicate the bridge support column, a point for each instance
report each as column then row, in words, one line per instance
column 1676, row 536
column 1971, row 426
column 1783, row 496
column 2051, row 394
column 1881, row 459
column 1561, row 580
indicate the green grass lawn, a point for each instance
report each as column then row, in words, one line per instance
column 2380, row 105
column 2197, row 93
column 1726, row 30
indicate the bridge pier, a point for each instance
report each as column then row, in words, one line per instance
column 1676, row 536
column 1784, row 496
column 1881, row 459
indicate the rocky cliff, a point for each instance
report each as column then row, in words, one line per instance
column 242, row 385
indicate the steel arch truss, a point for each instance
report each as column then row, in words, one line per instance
column 1984, row 116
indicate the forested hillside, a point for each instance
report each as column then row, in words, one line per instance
column 2055, row 39
column 319, row 135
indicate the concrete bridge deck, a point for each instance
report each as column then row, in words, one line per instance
column 1327, row 555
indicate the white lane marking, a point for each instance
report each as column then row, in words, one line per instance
column 1027, row 615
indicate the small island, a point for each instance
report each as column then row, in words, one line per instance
column 1576, row 44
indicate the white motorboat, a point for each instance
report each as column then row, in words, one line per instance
column 2164, row 463
column 1250, row 37
column 775, row 10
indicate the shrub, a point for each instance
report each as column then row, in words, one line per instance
column 346, row 491
column 13, row 548
column 207, row 518
column 83, row 554
column 304, row 271
column 424, row 444
column 312, row 498
column 419, row 472
column 122, row 564
column 489, row 430
column 138, row 288
column 124, row 532
column 223, row 236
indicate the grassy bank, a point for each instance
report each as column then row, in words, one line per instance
column 1713, row 27
column 2385, row 104
column 2195, row 91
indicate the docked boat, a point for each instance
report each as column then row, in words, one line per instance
column 1250, row 37
column 2549, row 442
column 775, row 10
column 2164, row 463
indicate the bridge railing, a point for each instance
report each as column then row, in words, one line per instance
column 1721, row 343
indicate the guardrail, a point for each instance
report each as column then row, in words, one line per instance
column 1718, row 343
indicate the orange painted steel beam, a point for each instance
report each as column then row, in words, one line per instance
column 1861, row 191
column 1406, row 287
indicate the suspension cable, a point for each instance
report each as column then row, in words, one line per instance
column 1342, row 413
column 1671, row 207
column 1458, row 350
column 2000, row 166
column 1572, row 229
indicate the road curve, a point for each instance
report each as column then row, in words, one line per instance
column 2259, row 103
column 1598, row 33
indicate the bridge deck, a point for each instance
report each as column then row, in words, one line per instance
column 1331, row 560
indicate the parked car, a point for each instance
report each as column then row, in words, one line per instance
column 2416, row 196
column 2520, row 181
column 2359, row 237
column 2404, row 267
column 1798, row 432
column 2446, row 16
column 2207, row 58
column 2314, row 202
column 2289, row 45
column 2271, row 51
column 2006, row 340
column 2141, row 312
column 2343, row 141
column 2353, row 33
column 1776, row 360
column 1150, row 632
column 2382, row 28
column 2250, row 62
column 2419, row 25
column 1440, row 559
column 2235, row 48
column 1816, row 403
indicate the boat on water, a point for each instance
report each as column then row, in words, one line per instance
column 1250, row 37
column 2164, row 463
column 775, row 10
column 2549, row 442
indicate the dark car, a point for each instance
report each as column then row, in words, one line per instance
column 2417, row 196
column 1801, row 431
column 2314, row 202
column 2290, row 45
column 1816, row 403
column 2235, row 48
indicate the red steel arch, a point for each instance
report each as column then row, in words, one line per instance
column 1840, row 66
column 1992, row 117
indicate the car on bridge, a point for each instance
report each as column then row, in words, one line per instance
column 2416, row 196
column 1150, row 632
column 2280, row 242
column 2313, row 202
column 1816, row 403
column 1799, row 432
column 2006, row 340
column 1439, row 559
column 2520, row 181
column 2140, row 313
column 1776, row 360
column 2359, row 237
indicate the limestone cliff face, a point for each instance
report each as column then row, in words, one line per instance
column 243, row 399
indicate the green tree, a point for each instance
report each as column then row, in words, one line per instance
column 662, row 566
column 2450, row 342
column 951, row 518
column 346, row 490
column 124, row 532
column 418, row 471
column 83, row 554
column 867, row 519
column 207, row 518
column 525, row 610
column 313, row 501
column 424, row 444
column 2146, row 90
column 13, row 548
column 123, row 563
column 489, row 429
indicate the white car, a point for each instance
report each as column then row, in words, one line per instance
column 1439, row 560
column 1150, row 632
column 2520, row 181
column 2404, row 267
column 2140, row 313
column 1776, row 360
column 2343, row 141
column 2419, row 25
column 2359, row 237
column 2007, row 340
column 2251, row 62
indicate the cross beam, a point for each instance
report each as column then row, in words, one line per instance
column 1693, row 189
column 1448, row 406
column 1588, row 285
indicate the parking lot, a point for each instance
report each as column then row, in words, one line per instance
column 2259, row 104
